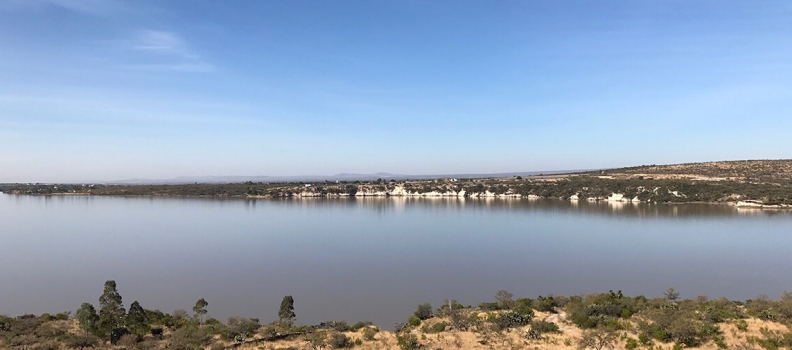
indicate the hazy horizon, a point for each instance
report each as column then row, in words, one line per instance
column 306, row 177
column 107, row 90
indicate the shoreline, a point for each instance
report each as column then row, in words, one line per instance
column 742, row 205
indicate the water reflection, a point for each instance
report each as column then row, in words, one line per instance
column 623, row 209
column 375, row 258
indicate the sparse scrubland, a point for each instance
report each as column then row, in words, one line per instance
column 597, row 321
column 765, row 183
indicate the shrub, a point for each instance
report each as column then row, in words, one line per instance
column 369, row 333
column 423, row 312
column 523, row 306
column 80, row 342
column 128, row 341
column 156, row 332
column 630, row 344
column 317, row 339
column 269, row 333
column 661, row 335
column 583, row 321
column 462, row 320
column 438, row 327
column 357, row 326
column 684, row 331
column 742, row 325
column 338, row 326
column 489, row 306
column 190, row 337
column 614, row 324
column 510, row 319
column 408, row 341
column 545, row 304
column 767, row 315
column 448, row 307
column 414, row 321
column 720, row 342
column 116, row 334
column 533, row 335
column 339, row 341
column 644, row 339
column 542, row 326
column 240, row 327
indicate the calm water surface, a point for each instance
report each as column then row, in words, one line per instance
column 375, row 259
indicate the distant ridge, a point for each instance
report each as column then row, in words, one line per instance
column 331, row 178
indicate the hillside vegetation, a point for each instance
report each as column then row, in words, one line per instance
column 760, row 182
column 584, row 322
column 763, row 171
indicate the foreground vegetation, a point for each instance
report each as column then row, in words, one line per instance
column 766, row 182
column 597, row 321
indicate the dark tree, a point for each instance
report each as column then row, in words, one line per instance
column 136, row 319
column 286, row 311
column 200, row 309
column 423, row 312
column 87, row 318
column 111, row 309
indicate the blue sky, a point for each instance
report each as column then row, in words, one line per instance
column 110, row 89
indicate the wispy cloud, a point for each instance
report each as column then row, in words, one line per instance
column 165, row 51
column 162, row 42
column 87, row 7
column 198, row 67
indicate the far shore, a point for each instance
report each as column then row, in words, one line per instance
column 742, row 205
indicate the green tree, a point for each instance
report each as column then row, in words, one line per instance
column 286, row 311
column 111, row 309
column 200, row 309
column 424, row 311
column 136, row 319
column 87, row 318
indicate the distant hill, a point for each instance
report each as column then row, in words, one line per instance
column 322, row 178
column 741, row 170
column 749, row 183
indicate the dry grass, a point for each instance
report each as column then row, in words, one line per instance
column 743, row 170
column 514, row 339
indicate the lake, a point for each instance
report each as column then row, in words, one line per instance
column 375, row 258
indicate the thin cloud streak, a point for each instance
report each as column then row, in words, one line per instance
column 165, row 51
column 85, row 7
column 162, row 42
column 200, row 67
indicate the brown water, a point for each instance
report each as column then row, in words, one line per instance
column 375, row 259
